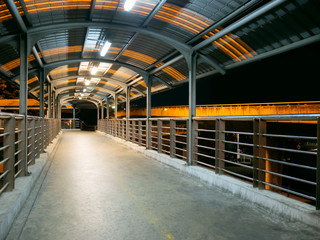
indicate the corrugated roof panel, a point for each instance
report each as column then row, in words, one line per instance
column 114, row 11
column 119, row 73
column 178, row 22
column 96, row 37
column 177, row 72
column 149, row 46
column 137, row 59
column 9, row 60
column 64, row 71
column 54, row 11
column 291, row 22
column 7, row 23
column 62, row 45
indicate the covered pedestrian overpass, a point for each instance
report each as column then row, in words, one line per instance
column 68, row 52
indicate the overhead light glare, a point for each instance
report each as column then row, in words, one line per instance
column 105, row 48
column 94, row 70
column 129, row 5
column 86, row 82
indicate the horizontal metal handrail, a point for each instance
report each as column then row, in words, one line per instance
column 242, row 147
column 22, row 141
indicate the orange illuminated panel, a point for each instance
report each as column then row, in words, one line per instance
column 108, row 83
column 92, row 48
column 32, row 80
column 141, row 7
column 62, row 50
column 5, row 13
column 15, row 63
column 66, row 82
column 122, row 74
column 63, row 70
column 143, row 83
column 37, row 6
column 233, row 46
column 172, row 72
column 139, row 56
column 183, row 18
column 106, row 5
column 133, row 94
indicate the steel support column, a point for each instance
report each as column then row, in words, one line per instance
column 102, row 110
column 192, row 64
column 127, row 112
column 108, row 109
column 41, row 94
column 115, row 106
column 49, row 113
column 42, row 79
column 23, row 95
column 53, row 103
column 148, row 113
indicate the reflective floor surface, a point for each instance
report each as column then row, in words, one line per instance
column 94, row 188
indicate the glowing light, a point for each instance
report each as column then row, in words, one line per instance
column 94, row 70
column 129, row 5
column 86, row 82
column 105, row 48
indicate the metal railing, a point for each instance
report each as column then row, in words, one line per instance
column 18, row 151
column 277, row 153
column 70, row 123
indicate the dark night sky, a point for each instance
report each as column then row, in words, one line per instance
column 291, row 76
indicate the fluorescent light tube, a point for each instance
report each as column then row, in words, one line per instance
column 105, row 48
column 129, row 5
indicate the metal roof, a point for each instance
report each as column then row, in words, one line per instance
column 67, row 37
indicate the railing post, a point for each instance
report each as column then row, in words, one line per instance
column 31, row 137
column 318, row 166
column 8, row 152
column 259, row 129
column 220, row 145
column 139, row 132
column 37, row 138
column 133, row 131
column 148, row 133
column 195, row 142
column 21, row 146
column 172, row 138
column 159, row 132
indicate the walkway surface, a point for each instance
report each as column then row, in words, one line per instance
column 94, row 188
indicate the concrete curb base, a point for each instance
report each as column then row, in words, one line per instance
column 12, row 202
column 274, row 203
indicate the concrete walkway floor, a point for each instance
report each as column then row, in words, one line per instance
column 94, row 188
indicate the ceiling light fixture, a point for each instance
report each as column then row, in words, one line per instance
column 94, row 70
column 86, row 82
column 105, row 48
column 129, row 5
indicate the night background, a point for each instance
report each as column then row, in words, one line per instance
column 290, row 76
